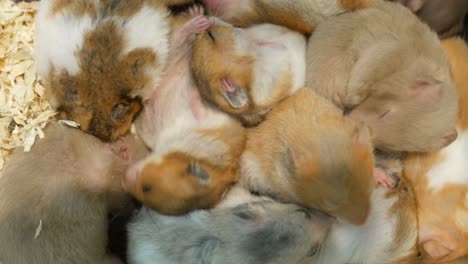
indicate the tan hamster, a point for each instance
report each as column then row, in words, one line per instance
column 98, row 59
column 307, row 152
column 302, row 16
column 195, row 148
column 247, row 72
column 441, row 178
column 54, row 199
column 389, row 235
column 384, row 67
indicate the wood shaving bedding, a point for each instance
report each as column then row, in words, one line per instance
column 23, row 111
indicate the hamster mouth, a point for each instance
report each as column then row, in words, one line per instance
column 233, row 93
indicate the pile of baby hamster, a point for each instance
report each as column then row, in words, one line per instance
column 265, row 131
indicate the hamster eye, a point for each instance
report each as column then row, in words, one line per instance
column 119, row 112
column 147, row 188
column 211, row 35
column 195, row 170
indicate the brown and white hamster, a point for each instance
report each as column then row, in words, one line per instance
column 195, row 148
column 247, row 72
column 307, row 152
column 440, row 178
column 385, row 68
column 54, row 199
column 389, row 235
column 299, row 15
column 99, row 59
column 243, row 229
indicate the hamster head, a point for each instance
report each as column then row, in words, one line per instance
column 245, row 72
column 100, row 94
column 177, row 183
column 413, row 109
column 222, row 71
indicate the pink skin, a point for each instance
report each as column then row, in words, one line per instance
column 227, row 85
column 383, row 178
column 196, row 105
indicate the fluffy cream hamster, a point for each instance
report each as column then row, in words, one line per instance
column 195, row 148
column 98, row 59
column 247, row 72
column 440, row 178
column 54, row 199
column 384, row 67
column 299, row 15
column 243, row 229
column 307, row 152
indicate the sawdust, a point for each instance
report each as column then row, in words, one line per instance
column 23, row 111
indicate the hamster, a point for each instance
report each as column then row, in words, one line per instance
column 247, row 72
column 307, row 152
column 195, row 148
column 444, row 17
column 440, row 178
column 385, row 68
column 54, row 199
column 302, row 16
column 99, row 59
column 243, row 229
column 389, row 235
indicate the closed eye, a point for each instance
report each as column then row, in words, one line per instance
column 211, row 35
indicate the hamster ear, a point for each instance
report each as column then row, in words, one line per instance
column 426, row 90
column 233, row 93
column 363, row 134
column 415, row 5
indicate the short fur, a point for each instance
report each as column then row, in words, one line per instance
column 100, row 58
column 386, row 68
column 243, row 229
column 196, row 148
column 444, row 17
column 262, row 65
column 441, row 178
column 302, row 16
column 307, row 152
column 68, row 182
column 389, row 235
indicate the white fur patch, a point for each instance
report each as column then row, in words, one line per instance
column 285, row 52
column 58, row 37
column 454, row 168
column 369, row 243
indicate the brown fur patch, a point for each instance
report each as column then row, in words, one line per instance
column 78, row 8
column 169, row 188
column 106, row 79
column 354, row 4
column 325, row 177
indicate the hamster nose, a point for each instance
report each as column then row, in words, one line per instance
column 129, row 180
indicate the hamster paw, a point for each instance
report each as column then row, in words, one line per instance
column 385, row 179
column 198, row 25
column 195, row 11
